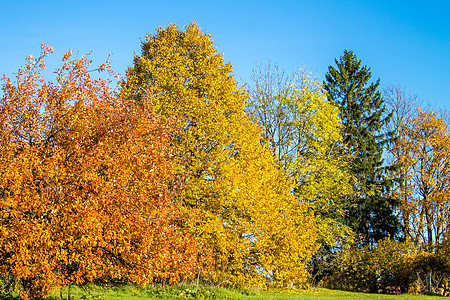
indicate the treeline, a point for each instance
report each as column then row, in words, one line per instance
column 374, row 168
column 181, row 174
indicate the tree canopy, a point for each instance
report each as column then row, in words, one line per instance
column 84, row 183
column 423, row 150
column 258, row 231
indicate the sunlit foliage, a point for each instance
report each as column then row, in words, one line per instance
column 424, row 153
column 259, row 233
column 84, row 179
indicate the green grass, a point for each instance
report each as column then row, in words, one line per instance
column 326, row 294
column 132, row 292
column 91, row 292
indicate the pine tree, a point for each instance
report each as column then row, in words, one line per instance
column 370, row 211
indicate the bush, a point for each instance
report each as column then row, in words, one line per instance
column 433, row 272
column 7, row 285
column 387, row 268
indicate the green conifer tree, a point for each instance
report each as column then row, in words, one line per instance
column 370, row 211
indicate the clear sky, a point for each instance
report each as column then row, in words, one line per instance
column 405, row 42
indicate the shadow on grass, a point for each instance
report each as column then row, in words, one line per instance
column 13, row 297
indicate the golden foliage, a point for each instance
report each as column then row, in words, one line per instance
column 304, row 130
column 424, row 154
column 258, row 232
column 388, row 265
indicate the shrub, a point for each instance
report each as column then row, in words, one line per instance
column 433, row 272
column 386, row 268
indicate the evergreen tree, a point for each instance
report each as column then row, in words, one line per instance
column 370, row 211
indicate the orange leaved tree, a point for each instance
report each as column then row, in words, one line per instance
column 84, row 184
column 424, row 153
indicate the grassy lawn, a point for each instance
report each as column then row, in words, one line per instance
column 190, row 292
column 326, row 294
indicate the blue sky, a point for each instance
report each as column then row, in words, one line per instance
column 405, row 42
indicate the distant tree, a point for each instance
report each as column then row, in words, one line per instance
column 268, row 92
column 303, row 129
column 403, row 106
column 370, row 211
column 424, row 155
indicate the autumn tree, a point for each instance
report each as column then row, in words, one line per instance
column 84, row 183
column 403, row 106
column 258, row 232
column 424, row 155
column 267, row 91
column 370, row 210
column 303, row 129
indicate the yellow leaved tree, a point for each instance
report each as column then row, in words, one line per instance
column 304, row 130
column 258, row 232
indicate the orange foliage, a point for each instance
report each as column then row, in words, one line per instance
column 424, row 154
column 84, row 183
